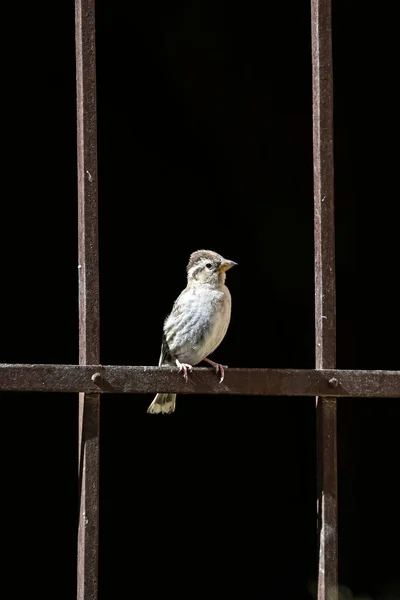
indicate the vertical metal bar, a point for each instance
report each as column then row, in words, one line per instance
column 325, row 300
column 89, row 322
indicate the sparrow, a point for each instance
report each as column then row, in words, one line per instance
column 198, row 321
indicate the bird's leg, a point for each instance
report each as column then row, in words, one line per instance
column 185, row 368
column 219, row 368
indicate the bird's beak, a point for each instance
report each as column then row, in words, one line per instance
column 227, row 264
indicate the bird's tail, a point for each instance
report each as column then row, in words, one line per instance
column 162, row 403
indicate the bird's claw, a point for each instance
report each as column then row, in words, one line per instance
column 184, row 367
column 220, row 369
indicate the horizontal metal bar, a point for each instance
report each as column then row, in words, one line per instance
column 149, row 380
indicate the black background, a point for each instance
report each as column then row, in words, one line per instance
column 205, row 141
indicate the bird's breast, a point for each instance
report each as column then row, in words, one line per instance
column 198, row 324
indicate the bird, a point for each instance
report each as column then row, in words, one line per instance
column 197, row 323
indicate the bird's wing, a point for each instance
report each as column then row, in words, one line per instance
column 176, row 328
column 165, row 356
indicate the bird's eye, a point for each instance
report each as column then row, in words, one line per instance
column 209, row 265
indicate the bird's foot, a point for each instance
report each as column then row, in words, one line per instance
column 218, row 368
column 184, row 367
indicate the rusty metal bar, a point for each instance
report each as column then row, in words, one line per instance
column 89, row 321
column 148, row 380
column 325, row 297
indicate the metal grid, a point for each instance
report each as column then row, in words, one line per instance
column 90, row 379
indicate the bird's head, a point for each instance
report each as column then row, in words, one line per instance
column 206, row 266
